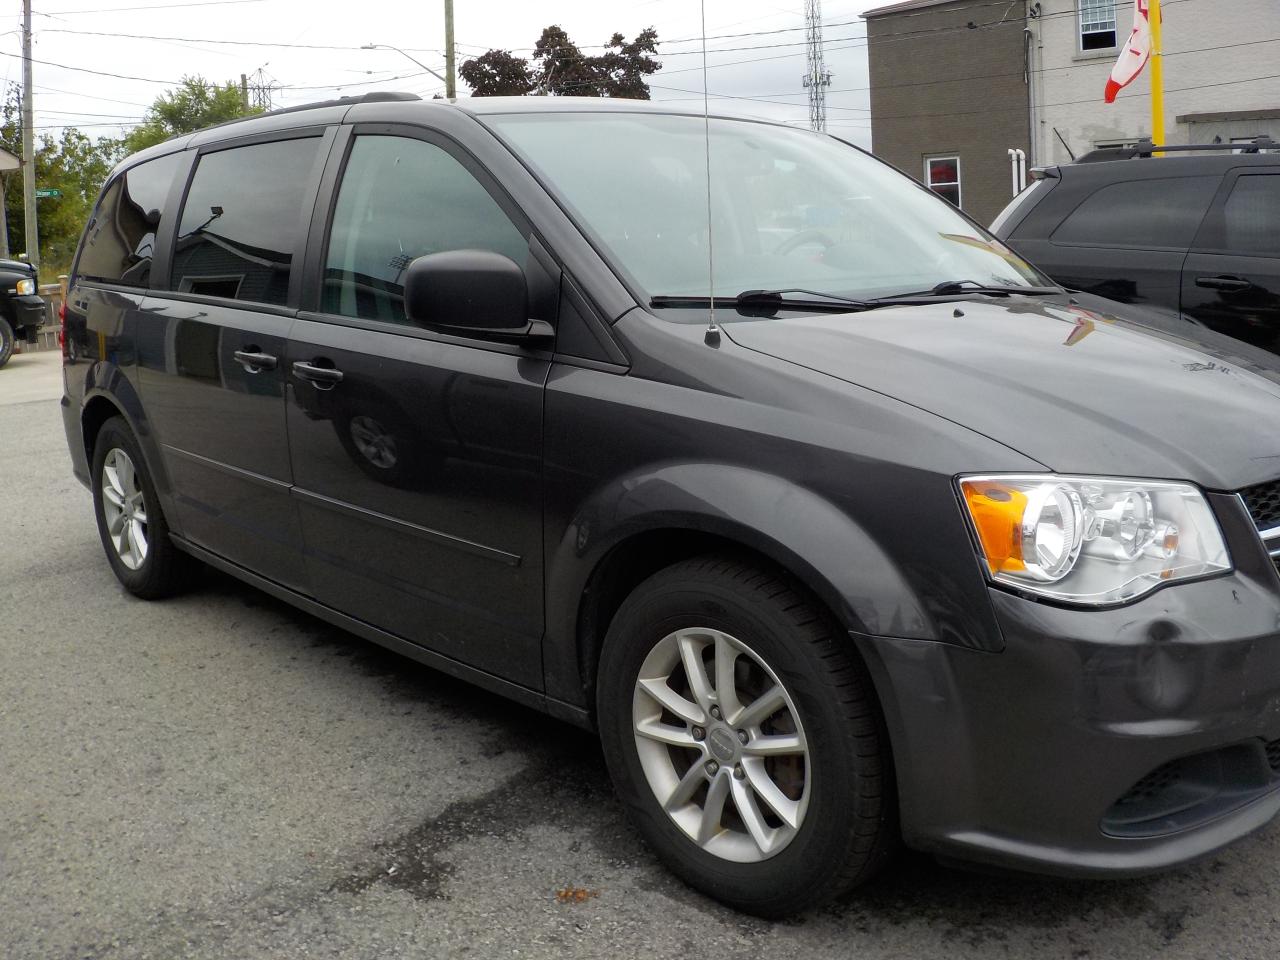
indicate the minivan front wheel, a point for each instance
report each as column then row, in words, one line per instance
column 743, row 736
column 131, row 524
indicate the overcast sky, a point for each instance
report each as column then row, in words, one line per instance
column 112, row 36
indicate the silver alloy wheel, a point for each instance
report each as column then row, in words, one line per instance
column 124, row 508
column 724, row 753
column 374, row 442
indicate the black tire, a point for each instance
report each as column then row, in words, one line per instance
column 8, row 342
column 166, row 570
column 849, row 828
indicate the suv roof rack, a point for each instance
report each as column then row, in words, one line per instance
column 1146, row 148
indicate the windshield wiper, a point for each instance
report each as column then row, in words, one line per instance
column 767, row 303
column 950, row 288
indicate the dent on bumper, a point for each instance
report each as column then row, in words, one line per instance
column 1015, row 758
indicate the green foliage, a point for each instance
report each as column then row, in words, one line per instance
column 196, row 103
column 559, row 68
column 72, row 163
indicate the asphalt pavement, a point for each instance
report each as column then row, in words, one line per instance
column 221, row 776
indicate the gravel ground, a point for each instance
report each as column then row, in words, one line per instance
column 220, row 776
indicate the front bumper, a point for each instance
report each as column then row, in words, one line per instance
column 1097, row 742
column 28, row 314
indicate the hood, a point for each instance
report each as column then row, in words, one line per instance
column 17, row 266
column 1079, row 391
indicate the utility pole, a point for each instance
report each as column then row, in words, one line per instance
column 244, row 93
column 28, row 143
column 816, row 78
column 450, row 75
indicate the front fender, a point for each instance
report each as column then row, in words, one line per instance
column 796, row 528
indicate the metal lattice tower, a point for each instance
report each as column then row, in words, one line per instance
column 261, row 89
column 816, row 78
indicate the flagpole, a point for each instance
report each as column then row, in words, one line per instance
column 1157, row 73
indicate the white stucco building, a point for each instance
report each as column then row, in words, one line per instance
column 1222, row 74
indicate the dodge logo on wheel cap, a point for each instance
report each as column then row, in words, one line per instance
column 723, row 745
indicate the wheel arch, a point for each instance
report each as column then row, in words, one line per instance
column 642, row 523
column 109, row 394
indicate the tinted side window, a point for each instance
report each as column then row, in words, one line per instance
column 401, row 199
column 1251, row 217
column 1141, row 213
column 120, row 240
column 241, row 225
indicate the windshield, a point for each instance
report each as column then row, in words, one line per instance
column 790, row 208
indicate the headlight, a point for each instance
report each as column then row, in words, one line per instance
column 1091, row 540
column 25, row 288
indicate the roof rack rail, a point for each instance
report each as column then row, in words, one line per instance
column 377, row 96
column 1145, row 148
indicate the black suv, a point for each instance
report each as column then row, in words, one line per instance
column 727, row 456
column 1195, row 232
column 22, row 311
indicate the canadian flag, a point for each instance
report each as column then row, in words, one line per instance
column 1134, row 56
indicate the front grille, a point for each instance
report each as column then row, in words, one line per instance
column 1263, row 502
column 1153, row 784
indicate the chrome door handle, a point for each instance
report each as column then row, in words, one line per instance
column 323, row 377
column 1223, row 283
column 254, row 361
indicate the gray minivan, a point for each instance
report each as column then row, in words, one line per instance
column 840, row 522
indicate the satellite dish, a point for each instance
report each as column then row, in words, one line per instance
column 8, row 162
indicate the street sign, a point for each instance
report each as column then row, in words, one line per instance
column 48, row 192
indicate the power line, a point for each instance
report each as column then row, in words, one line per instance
column 158, row 6
column 88, row 96
column 100, row 73
column 237, row 43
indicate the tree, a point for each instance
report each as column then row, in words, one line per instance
column 72, row 163
column 77, row 165
column 196, row 103
column 560, row 68
column 498, row 73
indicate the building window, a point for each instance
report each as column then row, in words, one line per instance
column 1115, row 144
column 1098, row 24
column 942, row 176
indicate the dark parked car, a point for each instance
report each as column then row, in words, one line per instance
column 1195, row 232
column 21, row 310
column 859, row 550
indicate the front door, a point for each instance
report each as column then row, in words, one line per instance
column 417, row 457
column 211, row 352
column 1231, row 278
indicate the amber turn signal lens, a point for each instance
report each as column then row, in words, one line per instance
column 997, row 512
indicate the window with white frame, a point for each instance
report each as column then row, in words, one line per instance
column 1098, row 25
column 942, row 176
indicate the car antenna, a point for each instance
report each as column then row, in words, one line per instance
column 712, row 336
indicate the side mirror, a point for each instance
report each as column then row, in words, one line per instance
column 474, row 293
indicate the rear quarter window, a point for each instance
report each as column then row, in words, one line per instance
column 1158, row 213
column 120, row 240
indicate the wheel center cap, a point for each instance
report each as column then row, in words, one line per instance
column 723, row 744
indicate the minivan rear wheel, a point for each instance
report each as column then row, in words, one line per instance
column 131, row 524
column 743, row 737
